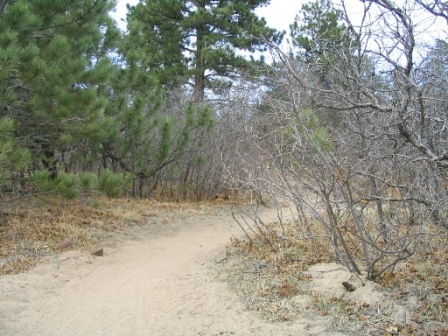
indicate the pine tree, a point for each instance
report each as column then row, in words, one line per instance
column 54, row 58
column 147, row 137
column 197, row 41
column 12, row 157
column 319, row 29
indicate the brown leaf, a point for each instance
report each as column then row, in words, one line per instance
column 442, row 332
column 391, row 330
column 416, row 318
column 66, row 244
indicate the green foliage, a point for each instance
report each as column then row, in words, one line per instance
column 320, row 137
column 71, row 185
column 310, row 119
column 12, row 157
column 319, row 30
column 42, row 181
column 196, row 40
column 75, row 94
column 141, row 138
column 67, row 185
column 54, row 60
column 318, row 133
column 306, row 130
column 323, row 42
column 148, row 136
column 113, row 184
column 87, row 181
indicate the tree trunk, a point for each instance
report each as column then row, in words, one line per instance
column 49, row 161
column 199, row 76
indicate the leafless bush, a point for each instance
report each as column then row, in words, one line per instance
column 200, row 173
column 364, row 150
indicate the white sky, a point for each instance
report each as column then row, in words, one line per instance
column 279, row 14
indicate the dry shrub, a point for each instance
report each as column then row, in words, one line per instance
column 269, row 271
column 268, row 268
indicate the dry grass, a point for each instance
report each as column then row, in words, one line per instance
column 31, row 228
column 272, row 279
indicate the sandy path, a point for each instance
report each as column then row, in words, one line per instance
column 152, row 286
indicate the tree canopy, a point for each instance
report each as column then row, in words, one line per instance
column 319, row 28
column 53, row 59
column 200, row 42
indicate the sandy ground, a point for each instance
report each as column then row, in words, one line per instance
column 160, row 284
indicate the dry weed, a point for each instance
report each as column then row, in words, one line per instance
column 271, row 279
column 33, row 227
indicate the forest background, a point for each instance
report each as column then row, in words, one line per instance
column 348, row 125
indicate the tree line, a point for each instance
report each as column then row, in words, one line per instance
column 173, row 105
column 349, row 125
column 80, row 99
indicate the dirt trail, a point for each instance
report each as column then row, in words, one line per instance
column 162, row 285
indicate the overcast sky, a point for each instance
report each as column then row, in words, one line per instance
column 279, row 14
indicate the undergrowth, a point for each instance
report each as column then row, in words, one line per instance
column 33, row 227
column 270, row 273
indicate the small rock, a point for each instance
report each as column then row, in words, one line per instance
column 98, row 253
column 66, row 244
column 348, row 286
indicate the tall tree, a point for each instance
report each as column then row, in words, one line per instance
column 71, row 100
column 199, row 42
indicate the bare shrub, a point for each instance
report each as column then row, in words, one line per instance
column 356, row 139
